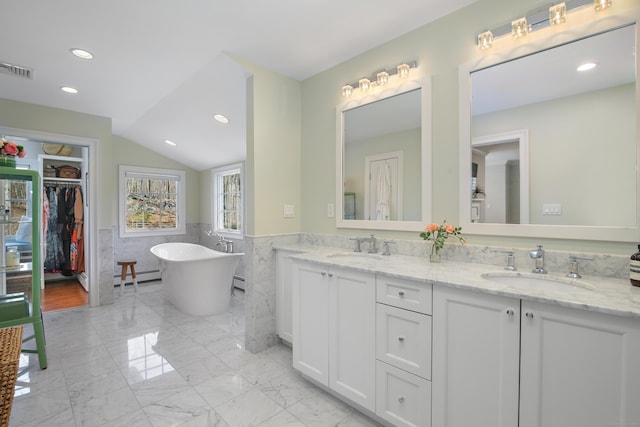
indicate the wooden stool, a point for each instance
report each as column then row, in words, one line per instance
column 123, row 276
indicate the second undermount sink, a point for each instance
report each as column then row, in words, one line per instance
column 541, row 282
column 356, row 256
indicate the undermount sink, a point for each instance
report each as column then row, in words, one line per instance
column 542, row 282
column 356, row 256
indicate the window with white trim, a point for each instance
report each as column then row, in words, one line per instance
column 152, row 201
column 228, row 200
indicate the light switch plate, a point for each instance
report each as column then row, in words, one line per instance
column 331, row 210
column 288, row 211
column 552, row 209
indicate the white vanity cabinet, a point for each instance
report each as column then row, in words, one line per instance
column 403, row 351
column 334, row 329
column 502, row 361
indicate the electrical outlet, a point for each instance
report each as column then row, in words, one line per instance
column 331, row 210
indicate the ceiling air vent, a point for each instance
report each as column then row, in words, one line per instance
column 16, row 70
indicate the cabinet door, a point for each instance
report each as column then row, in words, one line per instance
column 475, row 359
column 310, row 322
column 352, row 336
column 284, row 277
column 579, row 368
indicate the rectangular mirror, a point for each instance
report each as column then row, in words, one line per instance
column 551, row 151
column 382, row 152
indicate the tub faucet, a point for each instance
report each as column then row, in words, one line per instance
column 538, row 255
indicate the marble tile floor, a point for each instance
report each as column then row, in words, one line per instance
column 141, row 362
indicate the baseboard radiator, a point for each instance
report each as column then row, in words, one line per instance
column 142, row 276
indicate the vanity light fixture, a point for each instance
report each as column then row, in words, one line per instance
column 364, row 84
column 81, row 53
column 485, row 40
column 601, row 4
column 536, row 19
column 221, row 118
column 558, row 14
column 519, row 28
column 347, row 90
column 69, row 89
column 170, row 142
column 380, row 78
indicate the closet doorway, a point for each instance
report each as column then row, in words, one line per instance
column 69, row 231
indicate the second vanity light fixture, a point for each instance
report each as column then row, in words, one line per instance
column 553, row 14
column 381, row 78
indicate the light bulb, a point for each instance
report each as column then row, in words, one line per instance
column 347, row 90
column 558, row 14
column 403, row 70
column 382, row 78
column 364, row 84
column 519, row 28
column 485, row 40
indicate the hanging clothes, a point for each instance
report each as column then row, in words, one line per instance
column 45, row 223
column 78, row 213
column 77, row 237
column 55, row 254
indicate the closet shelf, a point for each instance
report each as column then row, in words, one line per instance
column 65, row 180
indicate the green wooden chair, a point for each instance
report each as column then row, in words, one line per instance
column 17, row 308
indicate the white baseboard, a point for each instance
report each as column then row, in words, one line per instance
column 143, row 276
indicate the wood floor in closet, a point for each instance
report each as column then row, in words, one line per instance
column 63, row 294
column 56, row 295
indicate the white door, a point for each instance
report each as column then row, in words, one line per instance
column 383, row 186
column 352, row 321
column 475, row 359
column 310, row 322
column 579, row 368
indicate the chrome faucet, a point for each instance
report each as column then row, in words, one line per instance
column 538, row 255
column 510, row 260
column 227, row 245
column 385, row 247
column 573, row 266
column 372, row 244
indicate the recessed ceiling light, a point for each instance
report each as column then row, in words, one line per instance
column 221, row 118
column 587, row 66
column 69, row 89
column 170, row 142
column 81, row 53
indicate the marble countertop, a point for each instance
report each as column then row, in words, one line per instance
column 611, row 296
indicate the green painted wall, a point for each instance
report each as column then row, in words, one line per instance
column 440, row 48
column 53, row 120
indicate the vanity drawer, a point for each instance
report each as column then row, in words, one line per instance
column 403, row 293
column 404, row 339
column 402, row 399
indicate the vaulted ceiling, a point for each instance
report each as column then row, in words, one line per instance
column 162, row 68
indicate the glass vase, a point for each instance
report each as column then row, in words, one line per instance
column 434, row 254
column 7, row 161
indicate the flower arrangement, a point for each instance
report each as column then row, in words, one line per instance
column 10, row 148
column 439, row 233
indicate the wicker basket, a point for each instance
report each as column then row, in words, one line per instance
column 10, row 346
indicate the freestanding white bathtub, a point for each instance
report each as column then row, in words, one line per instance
column 196, row 279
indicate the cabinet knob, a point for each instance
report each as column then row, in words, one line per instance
column 529, row 314
column 510, row 311
column 324, row 273
column 330, row 274
column 401, row 338
column 401, row 293
column 401, row 399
